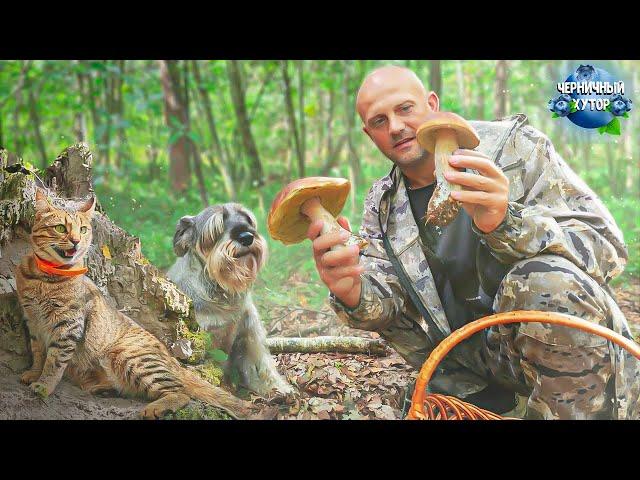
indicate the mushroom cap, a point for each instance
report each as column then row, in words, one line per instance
column 286, row 223
column 465, row 133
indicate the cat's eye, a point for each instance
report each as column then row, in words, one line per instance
column 60, row 229
column 83, row 229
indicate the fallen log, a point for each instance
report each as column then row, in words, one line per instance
column 328, row 344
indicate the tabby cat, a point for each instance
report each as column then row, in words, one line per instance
column 75, row 332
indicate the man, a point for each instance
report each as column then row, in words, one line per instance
column 530, row 236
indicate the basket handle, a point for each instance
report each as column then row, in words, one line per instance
column 518, row 316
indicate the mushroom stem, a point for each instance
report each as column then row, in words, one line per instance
column 446, row 144
column 442, row 208
column 313, row 209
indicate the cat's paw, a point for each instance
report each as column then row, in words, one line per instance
column 151, row 413
column 40, row 389
column 30, row 376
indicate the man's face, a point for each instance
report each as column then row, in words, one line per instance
column 392, row 111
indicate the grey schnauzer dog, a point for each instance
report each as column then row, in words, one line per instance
column 219, row 255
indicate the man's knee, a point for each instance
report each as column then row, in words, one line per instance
column 553, row 284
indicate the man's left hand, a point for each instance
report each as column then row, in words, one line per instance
column 486, row 196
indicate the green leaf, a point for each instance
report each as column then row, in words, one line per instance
column 555, row 115
column 217, row 355
column 175, row 136
column 195, row 137
column 626, row 115
column 602, row 129
column 613, row 127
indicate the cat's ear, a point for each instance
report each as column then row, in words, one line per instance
column 89, row 206
column 184, row 236
column 42, row 201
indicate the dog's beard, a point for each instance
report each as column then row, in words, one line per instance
column 230, row 267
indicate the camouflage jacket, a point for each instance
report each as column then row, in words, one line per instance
column 550, row 209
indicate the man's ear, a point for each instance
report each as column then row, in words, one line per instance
column 184, row 236
column 433, row 101
column 42, row 201
column 89, row 207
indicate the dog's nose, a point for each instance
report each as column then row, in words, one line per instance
column 245, row 238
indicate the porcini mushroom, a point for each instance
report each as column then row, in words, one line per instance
column 441, row 134
column 306, row 200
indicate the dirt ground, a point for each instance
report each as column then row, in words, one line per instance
column 331, row 386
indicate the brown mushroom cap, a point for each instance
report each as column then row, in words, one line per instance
column 465, row 133
column 286, row 223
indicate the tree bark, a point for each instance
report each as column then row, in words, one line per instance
column 244, row 127
column 123, row 143
column 91, row 101
column 176, row 120
column 34, row 119
column 291, row 117
column 349, row 112
column 211, row 123
column 124, row 276
column 500, row 109
column 303, row 130
column 328, row 344
column 435, row 77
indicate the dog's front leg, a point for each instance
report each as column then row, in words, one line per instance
column 251, row 359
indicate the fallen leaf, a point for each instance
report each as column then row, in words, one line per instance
column 106, row 252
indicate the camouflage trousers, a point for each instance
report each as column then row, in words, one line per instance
column 565, row 373
column 557, row 372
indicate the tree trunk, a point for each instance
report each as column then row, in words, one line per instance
column 107, row 103
column 176, row 119
column 330, row 111
column 244, row 127
column 328, row 344
column 211, row 123
column 123, row 144
column 91, row 101
column 435, row 77
column 303, row 130
column 291, row 117
column 124, row 276
column 332, row 157
column 500, row 109
column 349, row 111
column 462, row 90
column 34, row 119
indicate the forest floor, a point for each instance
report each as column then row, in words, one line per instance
column 330, row 385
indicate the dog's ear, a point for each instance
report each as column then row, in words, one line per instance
column 184, row 235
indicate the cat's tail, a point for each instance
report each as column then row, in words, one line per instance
column 198, row 388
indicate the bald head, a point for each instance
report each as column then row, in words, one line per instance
column 384, row 81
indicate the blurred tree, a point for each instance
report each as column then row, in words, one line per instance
column 244, row 127
column 500, row 109
column 176, row 119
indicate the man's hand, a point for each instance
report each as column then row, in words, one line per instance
column 339, row 269
column 486, row 196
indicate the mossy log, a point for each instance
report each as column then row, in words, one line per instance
column 328, row 344
column 115, row 261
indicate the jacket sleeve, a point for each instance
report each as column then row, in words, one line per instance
column 558, row 214
column 382, row 297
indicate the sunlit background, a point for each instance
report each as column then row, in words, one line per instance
column 243, row 129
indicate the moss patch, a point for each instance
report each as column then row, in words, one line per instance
column 198, row 411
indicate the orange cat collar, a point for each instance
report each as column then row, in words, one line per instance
column 54, row 269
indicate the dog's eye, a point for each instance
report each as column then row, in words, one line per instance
column 60, row 229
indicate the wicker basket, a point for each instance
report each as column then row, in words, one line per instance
column 441, row 407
